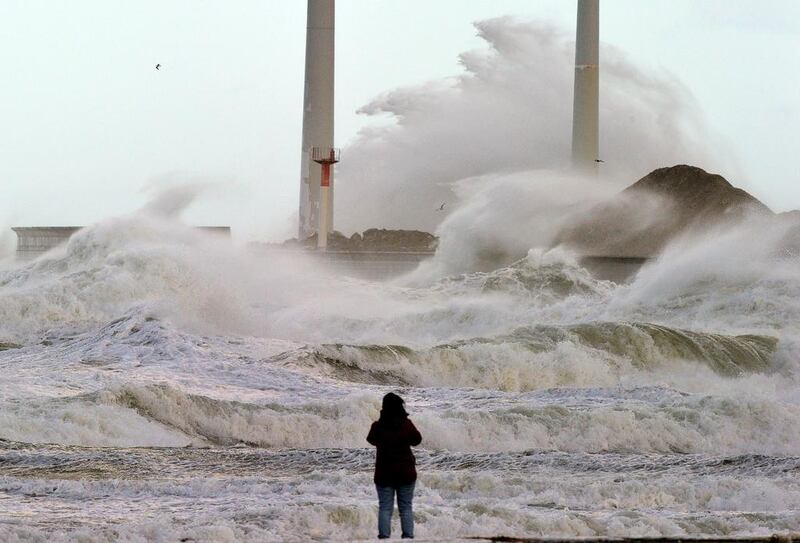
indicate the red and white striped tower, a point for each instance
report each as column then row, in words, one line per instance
column 317, row 109
column 326, row 157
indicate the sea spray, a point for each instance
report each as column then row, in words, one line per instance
column 160, row 384
column 506, row 113
column 160, row 368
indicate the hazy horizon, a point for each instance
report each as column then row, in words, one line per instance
column 91, row 126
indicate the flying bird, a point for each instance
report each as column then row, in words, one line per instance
column 441, row 207
column 598, row 160
column 158, row 66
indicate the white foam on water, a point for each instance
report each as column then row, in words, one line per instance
column 78, row 423
column 144, row 334
column 600, row 420
column 448, row 504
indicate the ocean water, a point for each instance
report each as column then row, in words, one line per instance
column 158, row 385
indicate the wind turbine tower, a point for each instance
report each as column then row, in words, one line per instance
column 586, row 98
column 317, row 114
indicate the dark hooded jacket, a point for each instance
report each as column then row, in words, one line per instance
column 394, row 434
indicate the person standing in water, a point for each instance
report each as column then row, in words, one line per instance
column 393, row 434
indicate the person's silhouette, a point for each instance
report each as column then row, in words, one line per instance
column 393, row 434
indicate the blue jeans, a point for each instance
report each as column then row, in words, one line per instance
column 405, row 495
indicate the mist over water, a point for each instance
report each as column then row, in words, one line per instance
column 510, row 112
column 161, row 384
column 493, row 145
column 148, row 365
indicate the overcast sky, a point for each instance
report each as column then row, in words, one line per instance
column 87, row 123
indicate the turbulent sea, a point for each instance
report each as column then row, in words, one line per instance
column 156, row 385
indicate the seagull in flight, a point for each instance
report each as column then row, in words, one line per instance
column 441, row 207
column 158, row 66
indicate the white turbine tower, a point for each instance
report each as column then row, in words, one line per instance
column 317, row 113
column 587, row 77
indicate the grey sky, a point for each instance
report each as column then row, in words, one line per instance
column 87, row 122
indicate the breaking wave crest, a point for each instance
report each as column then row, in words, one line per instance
column 652, row 420
column 541, row 277
column 113, row 267
column 544, row 356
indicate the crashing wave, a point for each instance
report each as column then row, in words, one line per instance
column 532, row 358
column 543, row 277
column 161, row 415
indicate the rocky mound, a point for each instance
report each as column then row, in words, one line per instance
column 374, row 239
column 664, row 204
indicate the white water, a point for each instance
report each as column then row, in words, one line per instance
column 166, row 385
